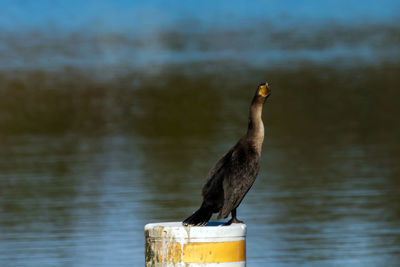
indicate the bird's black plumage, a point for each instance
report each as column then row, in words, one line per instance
column 234, row 174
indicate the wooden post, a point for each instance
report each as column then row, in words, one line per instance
column 172, row 244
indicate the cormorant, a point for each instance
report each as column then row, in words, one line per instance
column 234, row 174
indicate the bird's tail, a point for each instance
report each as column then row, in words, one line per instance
column 200, row 217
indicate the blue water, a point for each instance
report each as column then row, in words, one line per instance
column 152, row 15
column 134, row 34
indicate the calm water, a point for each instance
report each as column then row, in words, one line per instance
column 105, row 130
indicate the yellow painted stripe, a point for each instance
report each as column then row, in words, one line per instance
column 214, row 252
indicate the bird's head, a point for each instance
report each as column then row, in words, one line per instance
column 263, row 90
column 262, row 93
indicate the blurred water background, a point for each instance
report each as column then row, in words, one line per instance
column 111, row 114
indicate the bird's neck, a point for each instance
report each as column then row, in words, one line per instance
column 255, row 132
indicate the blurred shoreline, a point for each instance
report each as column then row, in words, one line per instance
column 179, row 99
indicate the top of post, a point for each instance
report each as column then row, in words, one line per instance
column 211, row 230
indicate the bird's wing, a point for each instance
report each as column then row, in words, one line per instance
column 216, row 175
column 237, row 181
column 220, row 165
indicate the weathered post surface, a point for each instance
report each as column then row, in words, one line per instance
column 172, row 244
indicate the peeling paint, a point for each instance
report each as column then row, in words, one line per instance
column 173, row 245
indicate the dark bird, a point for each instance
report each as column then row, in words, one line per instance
column 234, row 174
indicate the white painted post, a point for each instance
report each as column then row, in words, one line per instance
column 172, row 244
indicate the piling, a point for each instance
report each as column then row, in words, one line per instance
column 172, row 244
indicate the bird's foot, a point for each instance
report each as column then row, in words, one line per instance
column 233, row 220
